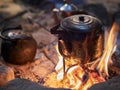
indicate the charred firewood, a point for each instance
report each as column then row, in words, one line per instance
column 116, row 58
column 116, row 17
column 115, row 67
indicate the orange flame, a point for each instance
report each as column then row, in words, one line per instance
column 109, row 49
column 76, row 77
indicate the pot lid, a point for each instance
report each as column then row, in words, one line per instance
column 15, row 34
column 80, row 23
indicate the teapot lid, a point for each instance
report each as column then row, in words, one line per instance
column 80, row 23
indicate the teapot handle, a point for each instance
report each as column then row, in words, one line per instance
column 56, row 30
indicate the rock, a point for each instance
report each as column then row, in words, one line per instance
column 42, row 67
column 24, row 84
column 43, row 38
column 6, row 74
column 5, row 1
column 102, row 14
column 2, row 88
column 111, row 5
column 10, row 9
column 111, row 84
column 51, row 52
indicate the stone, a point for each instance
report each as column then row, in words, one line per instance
column 43, row 38
column 2, row 88
column 111, row 84
column 42, row 66
column 6, row 74
column 5, row 1
column 51, row 52
column 10, row 9
column 111, row 5
column 24, row 84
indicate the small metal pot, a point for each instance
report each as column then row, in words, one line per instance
column 66, row 10
column 18, row 46
column 80, row 37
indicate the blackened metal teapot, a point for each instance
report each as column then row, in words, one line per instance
column 80, row 37
column 18, row 46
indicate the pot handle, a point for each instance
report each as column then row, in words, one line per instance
column 3, row 37
column 9, row 28
column 56, row 30
column 19, row 27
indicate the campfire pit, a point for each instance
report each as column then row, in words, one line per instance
column 81, row 41
column 72, row 73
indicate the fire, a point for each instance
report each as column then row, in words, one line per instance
column 109, row 49
column 76, row 77
column 71, row 74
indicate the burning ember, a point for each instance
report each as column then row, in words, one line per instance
column 70, row 73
